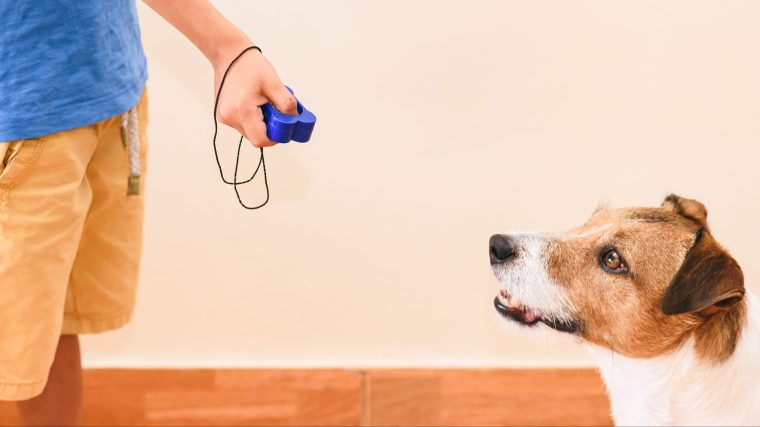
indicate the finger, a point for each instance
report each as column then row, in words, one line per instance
column 256, row 133
column 282, row 99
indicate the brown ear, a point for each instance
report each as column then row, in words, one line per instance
column 709, row 280
column 688, row 208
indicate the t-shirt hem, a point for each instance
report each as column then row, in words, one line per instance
column 72, row 116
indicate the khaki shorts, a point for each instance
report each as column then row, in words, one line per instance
column 70, row 244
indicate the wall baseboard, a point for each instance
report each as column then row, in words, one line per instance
column 341, row 397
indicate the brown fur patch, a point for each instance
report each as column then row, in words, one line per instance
column 716, row 338
column 648, row 216
column 623, row 311
column 687, row 208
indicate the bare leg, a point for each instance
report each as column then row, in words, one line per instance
column 60, row 404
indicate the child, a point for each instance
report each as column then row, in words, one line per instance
column 73, row 113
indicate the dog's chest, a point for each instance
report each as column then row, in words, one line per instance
column 679, row 389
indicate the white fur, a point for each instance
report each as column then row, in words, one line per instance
column 679, row 389
column 525, row 277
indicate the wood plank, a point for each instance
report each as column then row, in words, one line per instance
column 230, row 397
column 263, row 397
column 487, row 397
column 321, row 397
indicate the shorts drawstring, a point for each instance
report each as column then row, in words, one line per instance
column 130, row 137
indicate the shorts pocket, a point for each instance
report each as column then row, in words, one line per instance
column 19, row 156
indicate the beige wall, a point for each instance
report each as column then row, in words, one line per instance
column 441, row 122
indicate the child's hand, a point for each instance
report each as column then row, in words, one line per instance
column 250, row 83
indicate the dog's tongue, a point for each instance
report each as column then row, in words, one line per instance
column 529, row 316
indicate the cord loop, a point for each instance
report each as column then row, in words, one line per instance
column 262, row 162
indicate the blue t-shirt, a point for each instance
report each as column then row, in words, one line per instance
column 66, row 64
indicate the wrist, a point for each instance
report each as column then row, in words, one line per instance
column 226, row 51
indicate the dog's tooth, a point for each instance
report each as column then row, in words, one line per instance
column 515, row 302
column 503, row 298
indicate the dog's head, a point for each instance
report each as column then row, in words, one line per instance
column 637, row 280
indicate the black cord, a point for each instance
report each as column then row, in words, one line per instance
column 262, row 164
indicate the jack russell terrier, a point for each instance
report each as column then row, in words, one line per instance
column 659, row 303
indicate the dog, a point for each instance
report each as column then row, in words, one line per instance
column 659, row 303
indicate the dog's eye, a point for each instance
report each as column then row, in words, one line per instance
column 613, row 262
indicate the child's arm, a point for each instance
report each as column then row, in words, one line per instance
column 252, row 81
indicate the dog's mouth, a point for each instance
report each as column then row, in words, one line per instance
column 513, row 309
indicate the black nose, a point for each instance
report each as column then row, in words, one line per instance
column 500, row 249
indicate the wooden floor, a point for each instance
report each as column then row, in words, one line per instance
column 336, row 397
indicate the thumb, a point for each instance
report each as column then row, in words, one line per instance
column 282, row 99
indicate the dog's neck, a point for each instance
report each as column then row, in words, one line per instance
column 681, row 389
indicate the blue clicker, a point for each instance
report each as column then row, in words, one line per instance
column 284, row 128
